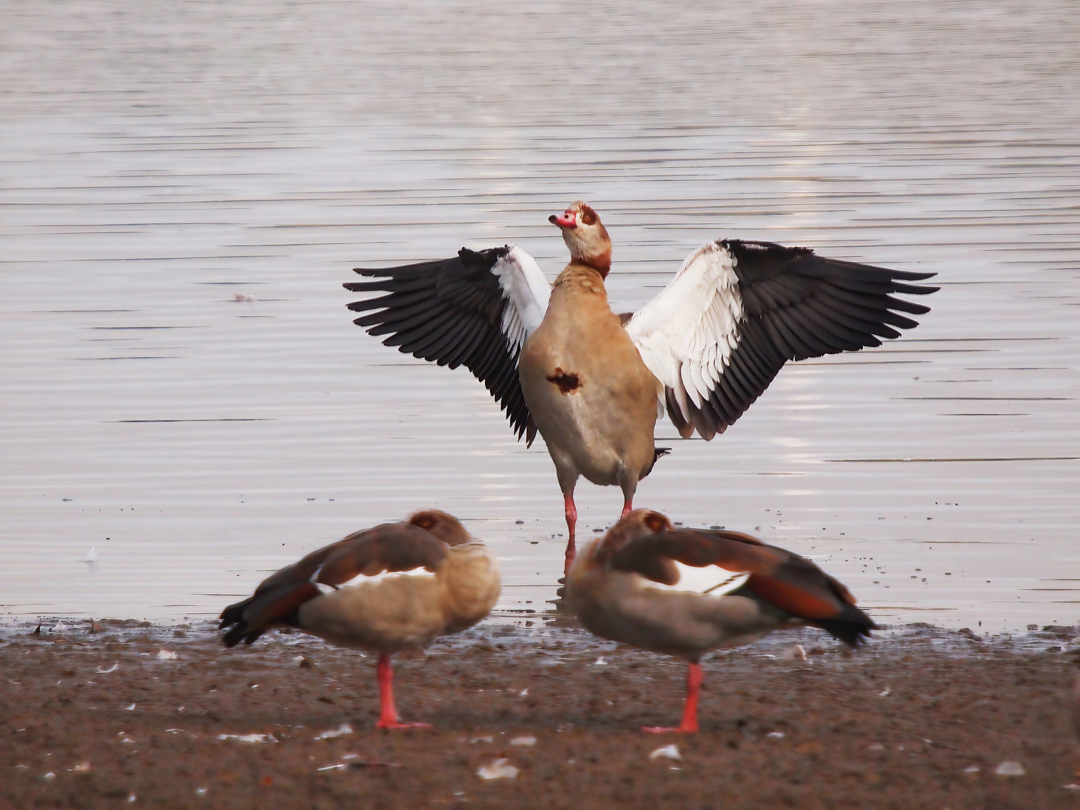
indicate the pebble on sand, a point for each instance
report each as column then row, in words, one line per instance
column 667, row 752
column 499, row 769
column 1010, row 768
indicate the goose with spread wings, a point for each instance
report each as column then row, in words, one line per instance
column 685, row 592
column 561, row 362
column 389, row 588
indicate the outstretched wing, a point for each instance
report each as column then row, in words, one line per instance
column 387, row 548
column 475, row 309
column 737, row 311
column 785, row 580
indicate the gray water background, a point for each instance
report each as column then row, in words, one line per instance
column 185, row 186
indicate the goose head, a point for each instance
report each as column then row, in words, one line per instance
column 585, row 236
column 638, row 523
column 444, row 526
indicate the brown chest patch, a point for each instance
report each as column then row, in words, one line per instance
column 567, row 382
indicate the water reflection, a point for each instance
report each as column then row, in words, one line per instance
column 197, row 439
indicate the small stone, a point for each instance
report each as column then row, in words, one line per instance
column 499, row 769
column 667, row 752
column 248, row 738
column 1010, row 768
column 340, row 731
column 796, row 652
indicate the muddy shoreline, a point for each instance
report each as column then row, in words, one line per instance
column 162, row 715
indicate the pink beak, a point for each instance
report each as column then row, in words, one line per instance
column 567, row 220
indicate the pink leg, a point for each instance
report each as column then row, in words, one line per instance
column 571, row 522
column 388, row 716
column 689, row 718
column 627, row 507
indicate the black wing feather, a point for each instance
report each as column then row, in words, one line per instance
column 449, row 311
column 798, row 305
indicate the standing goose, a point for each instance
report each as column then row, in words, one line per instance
column 685, row 592
column 394, row 587
column 559, row 360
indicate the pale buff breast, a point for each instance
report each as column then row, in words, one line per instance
column 401, row 611
column 589, row 392
column 473, row 582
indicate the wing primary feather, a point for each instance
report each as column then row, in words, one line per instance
column 453, row 312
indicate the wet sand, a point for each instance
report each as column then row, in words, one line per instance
column 918, row 718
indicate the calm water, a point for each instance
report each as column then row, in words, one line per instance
column 184, row 187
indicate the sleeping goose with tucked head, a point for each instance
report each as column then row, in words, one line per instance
column 685, row 592
column 394, row 587
column 561, row 362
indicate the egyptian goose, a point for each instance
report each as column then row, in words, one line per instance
column 559, row 360
column 685, row 592
column 394, row 587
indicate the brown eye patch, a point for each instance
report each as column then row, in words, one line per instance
column 588, row 216
column 424, row 521
column 655, row 521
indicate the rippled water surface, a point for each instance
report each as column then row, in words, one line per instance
column 184, row 187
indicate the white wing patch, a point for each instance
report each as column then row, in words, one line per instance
column 711, row 580
column 526, row 291
column 361, row 579
column 687, row 333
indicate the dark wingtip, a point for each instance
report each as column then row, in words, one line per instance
column 241, row 632
column 235, row 634
column 232, row 617
column 851, row 626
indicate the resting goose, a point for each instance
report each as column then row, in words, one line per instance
column 685, row 592
column 394, row 587
column 560, row 362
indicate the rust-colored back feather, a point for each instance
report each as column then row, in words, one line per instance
column 390, row 547
column 806, row 603
column 732, row 551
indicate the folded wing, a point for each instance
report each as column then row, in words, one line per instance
column 785, row 580
column 737, row 311
column 475, row 310
column 387, row 548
